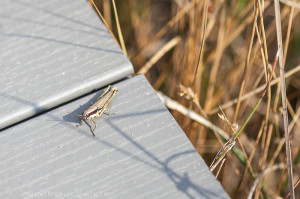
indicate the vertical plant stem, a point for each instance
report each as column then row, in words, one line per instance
column 288, row 34
column 205, row 10
column 268, row 170
column 217, row 61
column 164, row 29
column 244, row 78
column 104, row 21
column 119, row 29
column 283, row 96
column 107, row 12
column 168, row 46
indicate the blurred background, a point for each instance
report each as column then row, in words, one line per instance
column 216, row 48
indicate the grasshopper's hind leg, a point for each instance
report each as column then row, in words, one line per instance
column 94, row 127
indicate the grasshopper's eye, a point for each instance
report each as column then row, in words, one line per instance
column 91, row 113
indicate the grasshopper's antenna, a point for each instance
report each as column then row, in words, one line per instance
column 75, row 114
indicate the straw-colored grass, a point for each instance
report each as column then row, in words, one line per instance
column 204, row 54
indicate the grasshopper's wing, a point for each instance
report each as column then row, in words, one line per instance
column 111, row 98
column 103, row 101
column 105, row 92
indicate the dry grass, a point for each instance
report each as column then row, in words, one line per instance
column 223, row 51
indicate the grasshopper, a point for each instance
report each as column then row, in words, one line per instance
column 99, row 107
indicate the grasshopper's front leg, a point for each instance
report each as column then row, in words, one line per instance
column 94, row 127
column 80, row 122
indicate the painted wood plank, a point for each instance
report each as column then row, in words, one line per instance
column 51, row 52
column 139, row 152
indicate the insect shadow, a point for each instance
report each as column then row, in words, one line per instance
column 74, row 116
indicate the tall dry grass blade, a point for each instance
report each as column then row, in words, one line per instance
column 217, row 61
column 228, row 145
column 281, row 143
column 212, row 19
column 296, row 184
column 107, row 12
column 119, row 29
column 288, row 34
column 263, row 50
column 263, row 32
column 266, row 62
column 267, row 144
column 171, row 104
column 291, row 3
column 189, row 94
column 254, row 92
column 221, row 153
column 244, row 78
column 223, row 161
column 168, row 46
column 266, row 171
column 283, row 98
column 204, row 25
column 250, row 159
column 164, row 29
column 104, row 21
column 247, row 158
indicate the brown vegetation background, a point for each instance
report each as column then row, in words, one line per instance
column 206, row 45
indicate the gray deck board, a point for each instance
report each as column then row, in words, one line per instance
column 139, row 152
column 52, row 52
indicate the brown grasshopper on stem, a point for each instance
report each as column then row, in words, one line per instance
column 99, row 107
